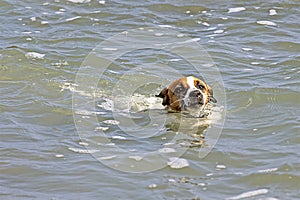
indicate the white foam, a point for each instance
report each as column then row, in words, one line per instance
column 83, row 143
column 73, row 18
column 109, row 49
column 106, row 105
column 85, row 151
column 166, row 150
column 158, row 34
column 237, row 9
column 171, row 180
column 178, row 163
column 265, row 22
column 211, row 28
column 152, row 186
column 26, row 32
column 80, row 1
column 168, row 144
column 59, row 156
column 35, row 55
column 140, row 102
column 219, row 31
column 95, row 19
column 272, row 12
column 175, row 60
column 101, row 128
column 249, row 194
column 33, row 19
column 117, row 137
column 136, row 158
column 86, row 112
column 165, row 26
column 205, row 24
column 111, row 122
column 191, row 40
column 219, row 167
column 247, row 49
column 207, row 65
column 60, row 63
column 101, row 2
column 268, row 170
column 44, row 22
column 107, row 157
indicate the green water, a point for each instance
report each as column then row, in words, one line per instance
column 255, row 49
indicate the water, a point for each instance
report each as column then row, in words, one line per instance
column 254, row 45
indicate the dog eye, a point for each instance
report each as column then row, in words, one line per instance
column 201, row 87
column 179, row 89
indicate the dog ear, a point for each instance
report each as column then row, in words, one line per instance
column 164, row 95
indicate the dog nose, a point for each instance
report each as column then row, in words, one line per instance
column 196, row 93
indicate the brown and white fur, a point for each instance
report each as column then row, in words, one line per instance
column 187, row 94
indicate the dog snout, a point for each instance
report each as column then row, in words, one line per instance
column 196, row 93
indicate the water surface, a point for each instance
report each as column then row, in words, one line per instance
column 255, row 46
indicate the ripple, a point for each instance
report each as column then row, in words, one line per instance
column 255, row 47
column 35, row 55
column 236, row 9
column 178, row 163
column 249, row 194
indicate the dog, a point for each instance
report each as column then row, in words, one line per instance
column 187, row 94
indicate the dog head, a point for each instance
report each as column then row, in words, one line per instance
column 187, row 94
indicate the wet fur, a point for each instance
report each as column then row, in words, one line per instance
column 174, row 95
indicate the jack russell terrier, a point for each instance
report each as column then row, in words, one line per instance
column 187, row 94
